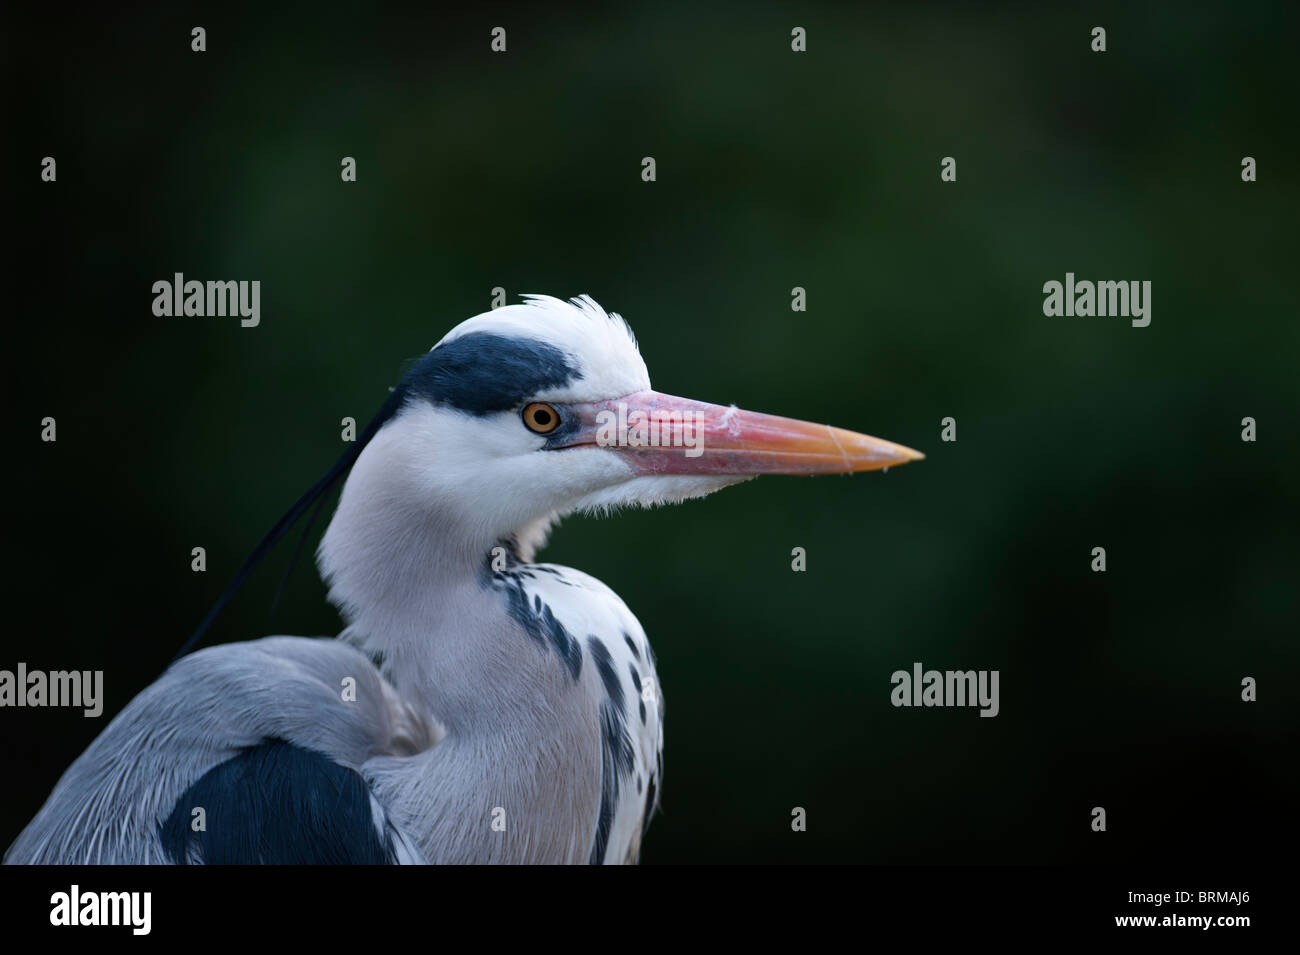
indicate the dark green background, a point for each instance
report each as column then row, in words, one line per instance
column 775, row 169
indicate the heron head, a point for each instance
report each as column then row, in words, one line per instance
column 520, row 416
column 532, row 411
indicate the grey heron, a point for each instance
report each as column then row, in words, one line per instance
column 478, row 706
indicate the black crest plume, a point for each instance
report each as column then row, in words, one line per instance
column 315, row 495
column 479, row 374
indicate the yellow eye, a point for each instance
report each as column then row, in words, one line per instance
column 541, row 418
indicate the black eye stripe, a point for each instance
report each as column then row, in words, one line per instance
column 484, row 373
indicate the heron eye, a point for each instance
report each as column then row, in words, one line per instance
column 541, row 418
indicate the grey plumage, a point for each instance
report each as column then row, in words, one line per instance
column 208, row 707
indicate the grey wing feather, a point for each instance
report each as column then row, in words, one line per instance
column 205, row 710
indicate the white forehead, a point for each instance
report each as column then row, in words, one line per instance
column 599, row 344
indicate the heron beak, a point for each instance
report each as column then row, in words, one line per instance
column 663, row 434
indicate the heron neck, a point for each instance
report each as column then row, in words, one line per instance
column 412, row 584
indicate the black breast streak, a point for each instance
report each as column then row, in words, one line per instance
column 559, row 577
column 651, row 804
column 540, row 623
column 535, row 617
column 638, row 691
column 615, row 746
column 538, row 620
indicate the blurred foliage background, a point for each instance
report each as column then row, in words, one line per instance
column 775, row 170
